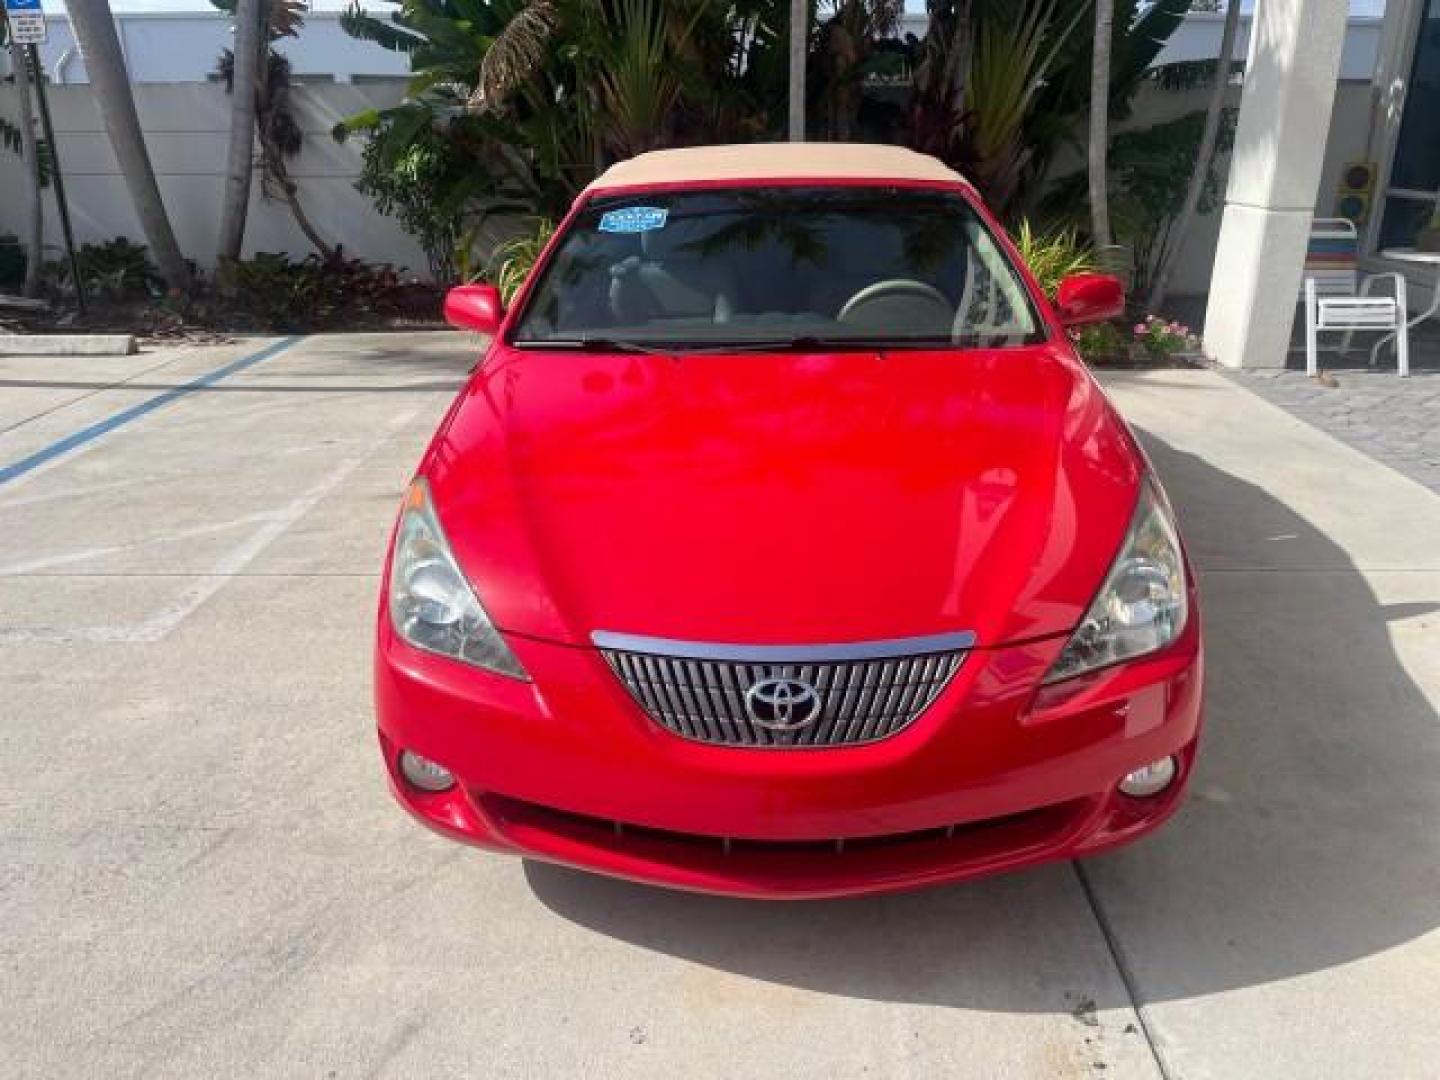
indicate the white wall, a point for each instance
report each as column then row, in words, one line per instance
column 186, row 129
column 1349, row 134
column 182, row 46
column 1198, row 38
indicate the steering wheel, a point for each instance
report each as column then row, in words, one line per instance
column 928, row 305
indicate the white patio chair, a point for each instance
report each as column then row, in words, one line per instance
column 1333, row 302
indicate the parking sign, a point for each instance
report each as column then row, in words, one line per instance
column 27, row 21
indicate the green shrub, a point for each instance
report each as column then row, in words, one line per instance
column 1100, row 343
column 1152, row 340
column 12, row 261
column 517, row 257
column 1053, row 256
column 417, row 184
column 284, row 293
column 1150, row 170
column 119, row 269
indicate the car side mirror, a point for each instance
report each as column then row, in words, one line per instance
column 474, row 307
column 1090, row 298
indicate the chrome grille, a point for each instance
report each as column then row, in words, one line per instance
column 700, row 692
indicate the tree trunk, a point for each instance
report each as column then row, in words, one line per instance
column 94, row 28
column 273, row 98
column 963, row 53
column 799, row 43
column 1100, row 124
column 292, row 199
column 1204, row 160
column 30, row 159
column 251, row 43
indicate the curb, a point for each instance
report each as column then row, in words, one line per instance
column 66, row 344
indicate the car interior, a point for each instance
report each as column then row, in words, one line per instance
column 762, row 278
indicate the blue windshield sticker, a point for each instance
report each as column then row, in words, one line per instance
column 633, row 219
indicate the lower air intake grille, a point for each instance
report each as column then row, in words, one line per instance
column 798, row 701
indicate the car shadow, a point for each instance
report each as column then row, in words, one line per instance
column 1309, row 839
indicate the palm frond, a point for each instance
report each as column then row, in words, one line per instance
column 638, row 82
column 287, row 18
column 885, row 16
column 517, row 258
column 1138, row 46
column 1054, row 255
column 362, row 26
column 12, row 139
column 515, row 52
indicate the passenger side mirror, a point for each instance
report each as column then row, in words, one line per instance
column 474, row 307
column 1090, row 298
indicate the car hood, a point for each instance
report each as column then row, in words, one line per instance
column 785, row 498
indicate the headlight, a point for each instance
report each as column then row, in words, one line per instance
column 431, row 604
column 1142, row 606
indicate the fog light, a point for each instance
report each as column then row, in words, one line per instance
column 424, row 773
column 1149, row 779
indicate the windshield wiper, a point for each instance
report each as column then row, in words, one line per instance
column 597, row 343
column 802, row 343
column 594, row 343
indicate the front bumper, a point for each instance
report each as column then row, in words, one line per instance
column 991, row 777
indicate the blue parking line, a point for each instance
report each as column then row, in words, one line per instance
column 120, row 419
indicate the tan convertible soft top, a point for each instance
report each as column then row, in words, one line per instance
column 775, row 161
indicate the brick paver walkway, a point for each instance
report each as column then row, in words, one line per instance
column 1394, row 420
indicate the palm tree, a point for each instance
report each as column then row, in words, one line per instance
column 1204, row 160
column 1099, row 124
column 849, row 43
column 799, row 43
column 276, row 126
column 30, row 158
column 94, row 29
column 250, row 44
column 640, row 74
column 1017, row 48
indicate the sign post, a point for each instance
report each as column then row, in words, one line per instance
column 26, row 21
column 56, row 176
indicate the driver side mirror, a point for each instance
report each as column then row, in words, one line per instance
column 474, row 307
column 1089, row 298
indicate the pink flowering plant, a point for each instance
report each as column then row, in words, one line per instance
column 1149, row 342
column 1100, row 343
column 1162, row 339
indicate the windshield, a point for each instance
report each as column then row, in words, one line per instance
column 865, row 266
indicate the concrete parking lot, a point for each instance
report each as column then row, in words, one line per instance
column 204, row 875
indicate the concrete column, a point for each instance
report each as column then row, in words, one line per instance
column 1274, row 176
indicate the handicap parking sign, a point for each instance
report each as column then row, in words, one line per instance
column 27, row 21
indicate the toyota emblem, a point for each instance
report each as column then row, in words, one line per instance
column 782, row 704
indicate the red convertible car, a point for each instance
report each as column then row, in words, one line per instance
column 781, row 546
